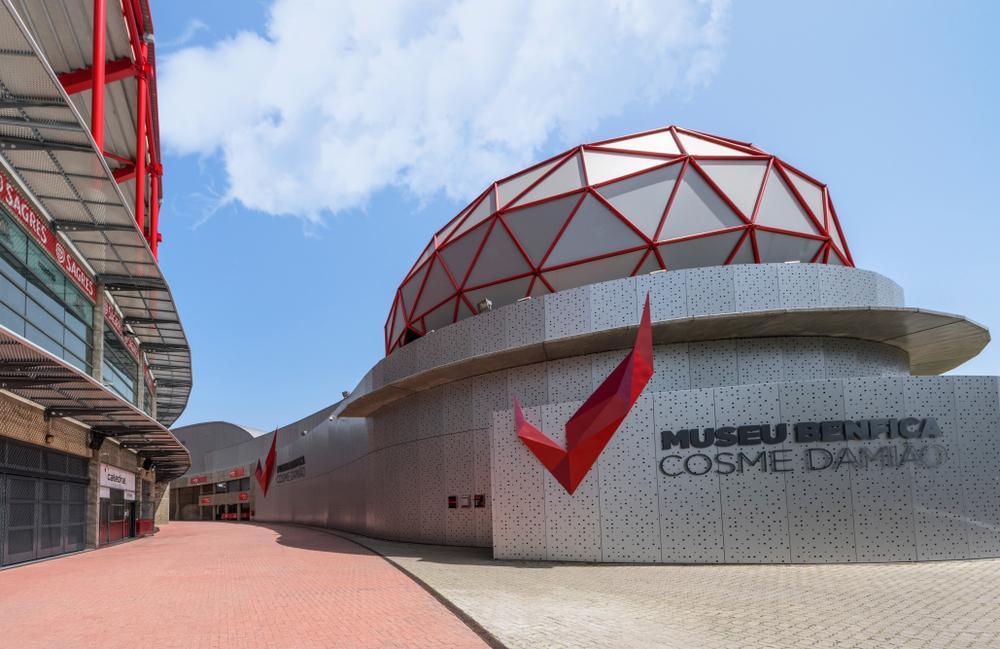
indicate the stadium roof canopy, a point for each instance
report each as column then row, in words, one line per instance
column 88, row 154
column 45, row 141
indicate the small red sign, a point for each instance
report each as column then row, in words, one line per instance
column 238, row 473
column 112, row 318
column 206, row 500
column 198, row 479
column 244, row 496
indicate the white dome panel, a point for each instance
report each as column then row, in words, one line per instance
column 592, row 231
column 642, row 199
column 536, row 226
column 740, row 180
column 604, row 166
column 780, row 209
column 564, row 178
column 659, row 142
column 696, row 209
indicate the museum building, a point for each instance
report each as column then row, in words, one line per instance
column 655, row 348
column 94, row 362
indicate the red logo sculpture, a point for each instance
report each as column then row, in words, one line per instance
column 590, row 429
column 265, row 473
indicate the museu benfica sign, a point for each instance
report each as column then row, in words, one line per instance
column 916, row 433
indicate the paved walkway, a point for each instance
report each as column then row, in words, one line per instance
column 536, row 604
column 217, row 585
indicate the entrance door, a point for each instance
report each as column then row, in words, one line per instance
column 50, row 528
column 21, row 517
column 130, row 517
column 43, row 504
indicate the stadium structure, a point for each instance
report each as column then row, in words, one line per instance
column 94, row 362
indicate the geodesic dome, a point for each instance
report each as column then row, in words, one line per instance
column 665, row 199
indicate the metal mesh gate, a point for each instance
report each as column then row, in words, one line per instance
column 43, row 504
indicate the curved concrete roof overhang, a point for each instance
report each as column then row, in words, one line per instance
column 936, row 342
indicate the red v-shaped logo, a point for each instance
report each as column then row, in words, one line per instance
column 590, row 429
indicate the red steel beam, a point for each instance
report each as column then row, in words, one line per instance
column 154, row 208
column 142, row 93
column 123, row 174
column 98, row 77
column 80, row 80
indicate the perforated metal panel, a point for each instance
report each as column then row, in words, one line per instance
column 713, row 363
column 613, row 304
column 572, row 523
column 459, row 464
column 667, row 294
column 976, row 397
column 820, row 512
column 482, row 516
column 690, row 506
column 629, row 504
column 754, row 503
column 518, row 489
column 938, row 493
column 756, row 287
column 882, row 499
column 710, row 290
column 798, row 285
column 567, row 313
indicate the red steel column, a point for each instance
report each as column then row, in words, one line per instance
column 142, row 82
column 97, row 89
column 154, row 207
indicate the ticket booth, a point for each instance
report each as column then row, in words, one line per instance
column 117, row 517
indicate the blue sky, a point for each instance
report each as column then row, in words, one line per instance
column 895, row 111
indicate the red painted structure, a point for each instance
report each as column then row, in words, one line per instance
column 591, row 427
column 509, row 242
column 146, row 169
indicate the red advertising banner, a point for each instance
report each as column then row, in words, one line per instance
column 238, row 473
column 112, row 318
column 198, row 479
column 205, row 500
column 244, row 496
column 36, row 226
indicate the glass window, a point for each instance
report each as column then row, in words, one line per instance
column 119, row 366
column 38, row 301
column 13, row 238
column 221, row 487
column 245, row 484
column 82, row 311
column 48, row 274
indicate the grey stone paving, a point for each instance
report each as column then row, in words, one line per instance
column 541, row 604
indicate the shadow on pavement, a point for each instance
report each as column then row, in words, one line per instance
column 309, row 538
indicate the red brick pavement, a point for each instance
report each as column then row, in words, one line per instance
column 218, row 585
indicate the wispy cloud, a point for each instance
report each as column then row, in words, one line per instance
column 340, row 99
column 191, row 30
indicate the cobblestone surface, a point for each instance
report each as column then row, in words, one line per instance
column 530, row 604
column 214, row 585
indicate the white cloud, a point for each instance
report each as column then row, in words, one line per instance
column 340, row 99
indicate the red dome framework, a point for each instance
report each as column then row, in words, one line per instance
column 666, row 199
